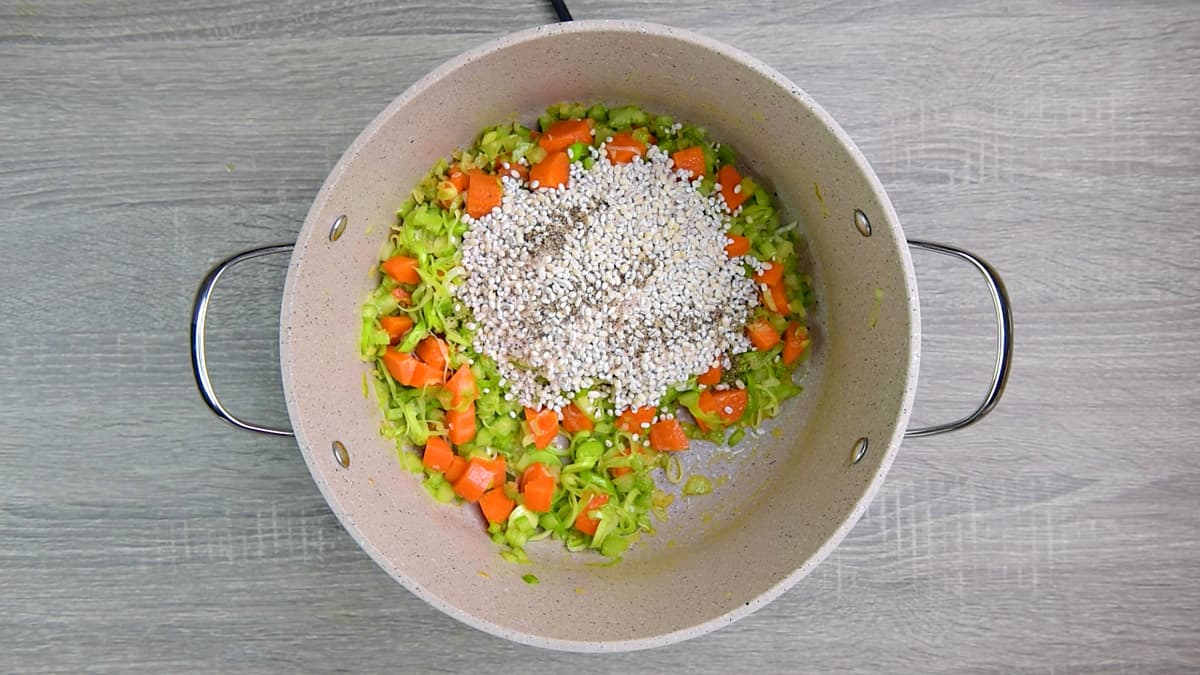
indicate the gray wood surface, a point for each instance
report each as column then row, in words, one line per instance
column 142, row 141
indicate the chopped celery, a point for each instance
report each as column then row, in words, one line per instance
column 642, row 135
column 614, row 546
column 536, row 154
column 627, row 116
column 598, row 112
column 736, row 437
column 589, row 452
column 438, row 487
column 577, row 152
column 411, row 462
column 674, row 469
column 624, row 482
column 603, row 462
column 697, row 485
column 725, row 154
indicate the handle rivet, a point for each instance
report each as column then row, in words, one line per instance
column 860, row 450
column 341, row 454
column 339, row 226
column 861, row 223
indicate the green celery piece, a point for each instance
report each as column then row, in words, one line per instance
column 627, row 116
column 589, row 452
column 725, row 154
column 614, row 545
column 736, row 437
column 697, row 485
column 577, row 152
column 598, row 112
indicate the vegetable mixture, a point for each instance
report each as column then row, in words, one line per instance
column 563, row 309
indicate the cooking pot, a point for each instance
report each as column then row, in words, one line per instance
column 783, row 500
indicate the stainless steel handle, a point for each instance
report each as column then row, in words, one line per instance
column 199, row 359
column 1004, row 338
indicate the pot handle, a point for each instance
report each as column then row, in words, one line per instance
column 1004, row 338
column 199, row 358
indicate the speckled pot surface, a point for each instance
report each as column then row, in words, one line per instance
column 781, row 504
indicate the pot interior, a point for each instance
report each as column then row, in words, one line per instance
column 779, row 505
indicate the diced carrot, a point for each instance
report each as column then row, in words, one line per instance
column 496, row 505
column 710, row 376
column 461, row 425
column 668, row 435
column 774, row 298
column 402, row 296
column 455, row 471
column 401, row 268
column 396, row 326
column 483, row 194
column 506, row 167
column 631, row 420
column 795, row 341
column 773, row 274
column 438, row 454
column 762, row 334
column 457, row 178
column 475, row 480
column 730, row 179
column 462, row 388
column 729, row 405
column 426, row 376
column 563, row 133
column 434, row 352
column 398, row 364
column 738, row 245
column 408, row 371
column 733, row 403
column 535, row 471
column 539, row 494
column 710, row 404
column 498, row 467
column 623, row 148
column 585, row 523
column 575, row 420
column 552, row 172
column 543, row 426
column 690, row 160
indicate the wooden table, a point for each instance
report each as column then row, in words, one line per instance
column 143, row 141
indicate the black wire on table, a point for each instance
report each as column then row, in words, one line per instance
column 560, row 8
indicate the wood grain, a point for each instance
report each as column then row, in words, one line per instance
column 142, row 141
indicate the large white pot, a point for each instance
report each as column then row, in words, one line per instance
column 789, row 499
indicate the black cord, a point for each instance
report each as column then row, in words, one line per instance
column 560, row 8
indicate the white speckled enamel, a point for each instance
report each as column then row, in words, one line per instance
column 788, row 499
